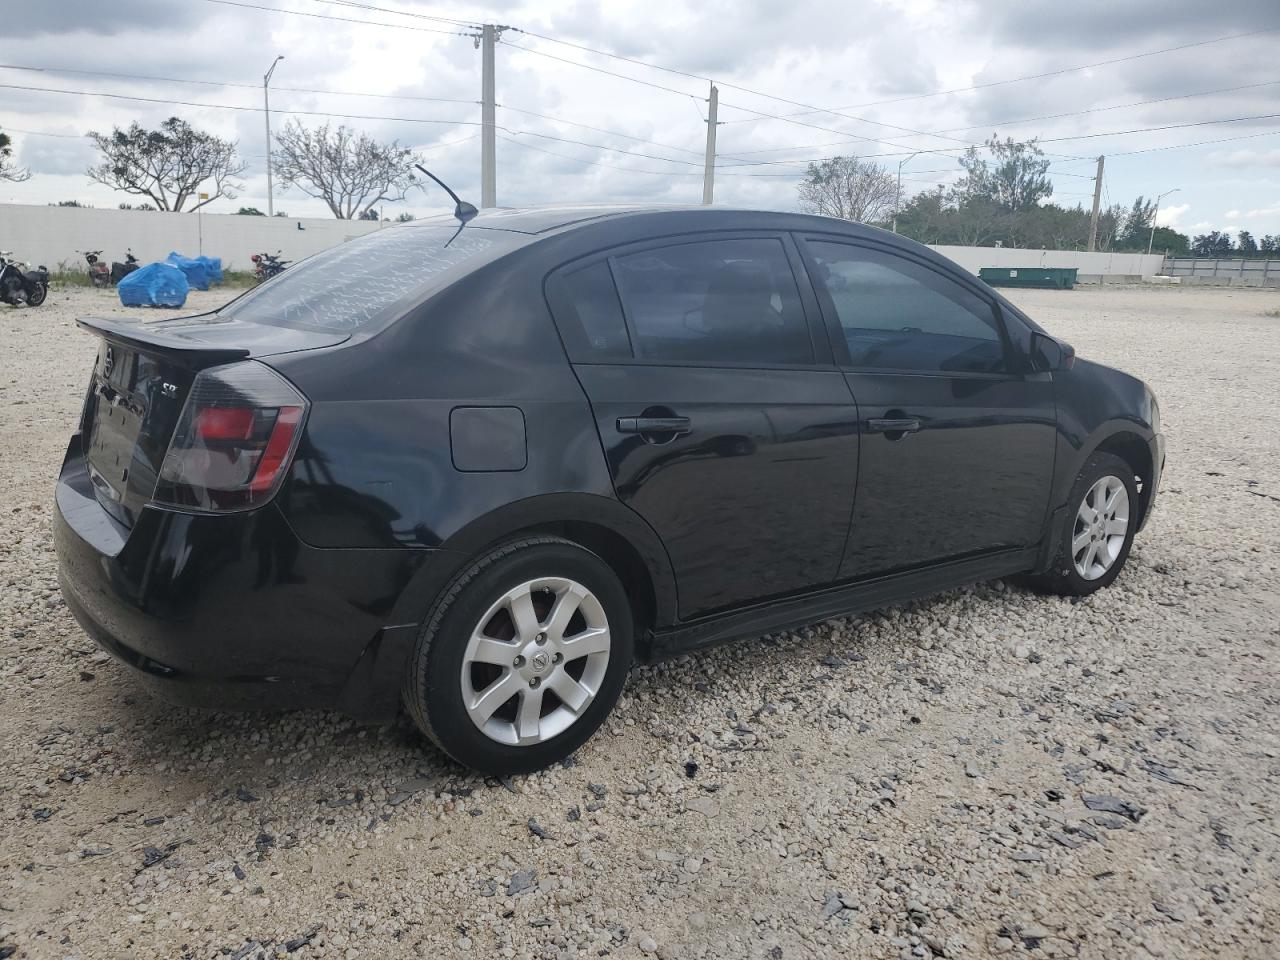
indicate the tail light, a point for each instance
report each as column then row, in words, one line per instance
column 234, row 441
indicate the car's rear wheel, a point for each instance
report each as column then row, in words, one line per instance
column 1098, row 530
column 523, row 656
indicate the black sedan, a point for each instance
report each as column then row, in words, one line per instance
column 480, row 474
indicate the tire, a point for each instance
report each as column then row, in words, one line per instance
column 471, row 653
column 1069, row 575
column 37, row 295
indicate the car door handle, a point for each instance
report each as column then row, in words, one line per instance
column 676, row 425
column 904, row 425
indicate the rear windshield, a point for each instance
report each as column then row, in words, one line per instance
column 368, row 281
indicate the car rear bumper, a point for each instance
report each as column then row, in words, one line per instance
column 235, row 611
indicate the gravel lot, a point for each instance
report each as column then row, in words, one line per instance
column 986, row 772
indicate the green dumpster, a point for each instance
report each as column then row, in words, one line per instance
column 1054, row 278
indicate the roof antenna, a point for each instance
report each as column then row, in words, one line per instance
column 465, row 212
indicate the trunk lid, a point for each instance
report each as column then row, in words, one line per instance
column 141, row 378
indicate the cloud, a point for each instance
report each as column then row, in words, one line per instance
column 116, row 17
column 1170, row 215
column 1104, row 25
column 848, row 55
column 1245, row 158
column 1260, row 212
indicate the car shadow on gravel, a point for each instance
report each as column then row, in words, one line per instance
column 276, row 753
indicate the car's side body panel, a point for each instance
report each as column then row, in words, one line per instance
column 754, row 501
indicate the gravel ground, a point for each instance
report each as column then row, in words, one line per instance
column 985, row 772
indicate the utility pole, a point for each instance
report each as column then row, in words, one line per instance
column 709, row 163
column 266, row 112
column 488, row 144
column 1097, row 199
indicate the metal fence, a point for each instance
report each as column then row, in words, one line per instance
column 1248, row 272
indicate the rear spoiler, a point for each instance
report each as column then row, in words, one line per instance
column 154, row 338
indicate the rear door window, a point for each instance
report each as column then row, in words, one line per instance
column 897, row 314
column 589, row 315
column 732, row 301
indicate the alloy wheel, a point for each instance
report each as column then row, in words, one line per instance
column 535, row 661
column 1102, row 523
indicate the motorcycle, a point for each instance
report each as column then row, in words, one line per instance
column 268, row 265
column 121, row 270
column 19, row 284
column 99, row 272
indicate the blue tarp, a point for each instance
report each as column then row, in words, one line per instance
column 215, row 267
column 155, row 285
column 196, row 270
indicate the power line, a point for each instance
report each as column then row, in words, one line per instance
column 229, row 106
column 586, row 126
column 1079, row 136
column 1054, row 73
column 587, row 66
column 329, row 16
column 352, row 116
column 1055, row 116
column 758, row 114
column 614, row 166
column 400, row 13
column 231, row 83
column 344, row 93
column 1167, row 126
column 659, row 86
column 1119, row 106
column 725, row 84
column 1198, row 143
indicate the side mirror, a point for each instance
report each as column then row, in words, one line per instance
column 1049, row 353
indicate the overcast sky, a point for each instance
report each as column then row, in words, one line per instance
column 886, row 67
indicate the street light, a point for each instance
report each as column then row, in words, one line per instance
column 266, row 111
column 1151, row 242
column 897, row 199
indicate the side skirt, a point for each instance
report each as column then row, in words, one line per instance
column 793, row 612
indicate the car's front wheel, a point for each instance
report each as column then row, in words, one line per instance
column 1098, row 530
column 523, row 656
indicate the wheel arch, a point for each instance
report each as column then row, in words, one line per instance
column 600, row 524
column 1134, row 449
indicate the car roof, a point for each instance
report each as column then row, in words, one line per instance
column 535, row 221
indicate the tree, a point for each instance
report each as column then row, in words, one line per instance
column 136, row 206
column 70, row 203
column 1168, row 240
column 1270, row 243
column 405, row 217
column 1135, row 227
column 1246, row 246
column 7, row 170
column 1213, row 244
column 850, row 189
column 349, row 171
column 169, row 165
column 249, row 212
column 1013, row 179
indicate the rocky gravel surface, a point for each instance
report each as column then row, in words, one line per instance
column 988, row 772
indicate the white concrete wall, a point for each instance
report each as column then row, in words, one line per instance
column 54, row 235
column 1129, row 264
